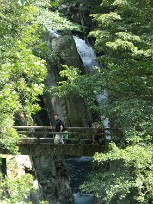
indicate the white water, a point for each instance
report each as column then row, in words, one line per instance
column 21, row 2
column 102, row 99
column 53, row 33
column 88, row 57
column 86, row 53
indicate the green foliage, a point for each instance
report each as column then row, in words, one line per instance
column 45, row 52
column 72, row 81
column 67, row 85
column 124, row 44
column 130, row 177
column 16, row 190
column 23, row 54
column 22, row 74
column 123, row 41
column 78, row 12
column 23, row 69
column 8, row 135
column 52, row 19
column 124, row 47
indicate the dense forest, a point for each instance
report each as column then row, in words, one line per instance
column 121, row 33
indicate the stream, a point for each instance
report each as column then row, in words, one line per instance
column 78, row 169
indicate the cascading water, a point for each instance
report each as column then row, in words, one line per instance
column 53, row 33
column 88, row 57
column 78, row 168
column 86, row 53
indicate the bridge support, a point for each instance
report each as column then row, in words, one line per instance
column 52, row 178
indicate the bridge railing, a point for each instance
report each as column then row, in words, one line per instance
column 75, row 134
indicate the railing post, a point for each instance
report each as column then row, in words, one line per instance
column 3, row 167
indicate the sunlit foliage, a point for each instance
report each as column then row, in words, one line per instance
column 22, row 74
column 123, row 43
column 16, row 190
column 23, row 55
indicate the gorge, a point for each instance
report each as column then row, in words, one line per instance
column 51, row 172
column 73, row 105
column 91, row 62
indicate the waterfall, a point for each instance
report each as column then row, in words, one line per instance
column 88, row 57
column 86, row 53
column 102, row 98
column 53, row 33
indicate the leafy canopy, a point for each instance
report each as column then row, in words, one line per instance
column 123, row 43
column 22, row 74
column 23, row 66
column 130, row 178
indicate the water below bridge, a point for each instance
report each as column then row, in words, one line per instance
column 79, row 169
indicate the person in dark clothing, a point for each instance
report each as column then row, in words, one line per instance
column 58, row 128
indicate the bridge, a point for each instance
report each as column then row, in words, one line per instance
column 39, row 140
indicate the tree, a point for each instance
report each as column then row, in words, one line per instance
column 22, row 74
column 129, row 178
column 124, row 47
column 16, row 189
column 123, row 42
column 23, row 70
column 23, row 62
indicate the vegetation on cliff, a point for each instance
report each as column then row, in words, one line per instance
column 23, row 61
column 22, row 74
column 122, row 34
column 123, row 43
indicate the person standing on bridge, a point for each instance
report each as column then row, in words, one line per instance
column 58, row 128
column 97, row 132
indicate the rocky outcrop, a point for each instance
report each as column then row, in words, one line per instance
column 18, row 166
column 72, row 108
column 64, row 46
column 51, row 171
column 79, row 12
column 53, row 179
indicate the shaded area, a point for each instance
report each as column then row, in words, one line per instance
column 78, row 169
